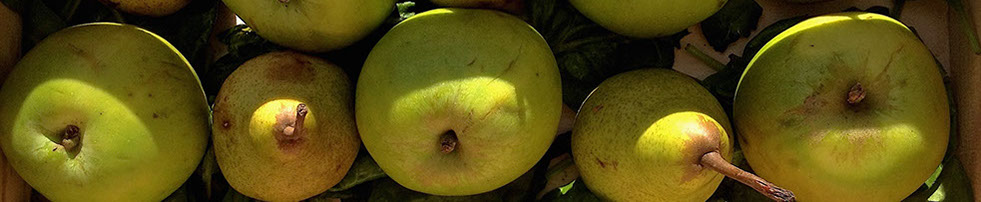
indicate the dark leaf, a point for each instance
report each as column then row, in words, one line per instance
column 723, row 83
column 587, row 53
column 737, row 19
column 364, row 169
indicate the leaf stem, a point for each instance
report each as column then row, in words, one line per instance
column 701, row 56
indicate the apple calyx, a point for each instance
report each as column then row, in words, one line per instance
column 71, row 138
column 715, row 161
column 294, row 131
column 447, row 142
column 856, row 94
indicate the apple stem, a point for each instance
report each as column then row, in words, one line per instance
column 297, row 127
column 856, row 94
column 715, row 161
column 71, row 137
column 448, row 142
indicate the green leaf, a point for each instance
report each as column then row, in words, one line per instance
column 737, row 19
column 587, row 53
column 576, row 191
column 364, row 169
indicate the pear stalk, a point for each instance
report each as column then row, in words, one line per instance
column 715, row 161
column 293, row 132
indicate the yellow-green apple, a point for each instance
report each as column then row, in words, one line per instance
column 458, row 101
column 312, row 25
column 845, row 107
column 103, row 112
column 284, row 127
column 647, row 18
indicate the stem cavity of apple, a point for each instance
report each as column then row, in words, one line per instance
column 715, row 161
column 71, row 137
column 297, row 127
column 447, row 142
column 856, row 94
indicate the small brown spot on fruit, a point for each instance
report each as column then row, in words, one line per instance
column 226, row 124
column 155, row 115
column 597, row 108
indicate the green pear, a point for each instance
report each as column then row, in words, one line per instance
column 656, row 135
column 86, row 117
column 845, row 107
column 284, row 127
column 647, row 18
column 153, row 8
column 458, row 101
column 312, row 25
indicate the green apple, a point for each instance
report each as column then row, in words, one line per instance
column 153, row 8
column 647, row 18
column 656, row 135
column 312, row 25
column 848, row 105
column 86, row 117
column 458, row 101
column 284, row 127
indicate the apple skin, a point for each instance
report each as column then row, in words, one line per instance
column 485, row 75
column 647, row 18
column 313, row 25
column 152, row 8
column 142, row 115
column 800, row 132
column 640, row 136
column 247, row 138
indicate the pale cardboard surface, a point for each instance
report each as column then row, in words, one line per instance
column 966, row 73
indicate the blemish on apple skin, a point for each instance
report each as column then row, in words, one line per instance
column 155, row 115
column 226, row 124
column 603, row 164
column 597, row 108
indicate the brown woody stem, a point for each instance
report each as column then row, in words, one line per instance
column 715, row 161
column 71, row 138
column 292, row 132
